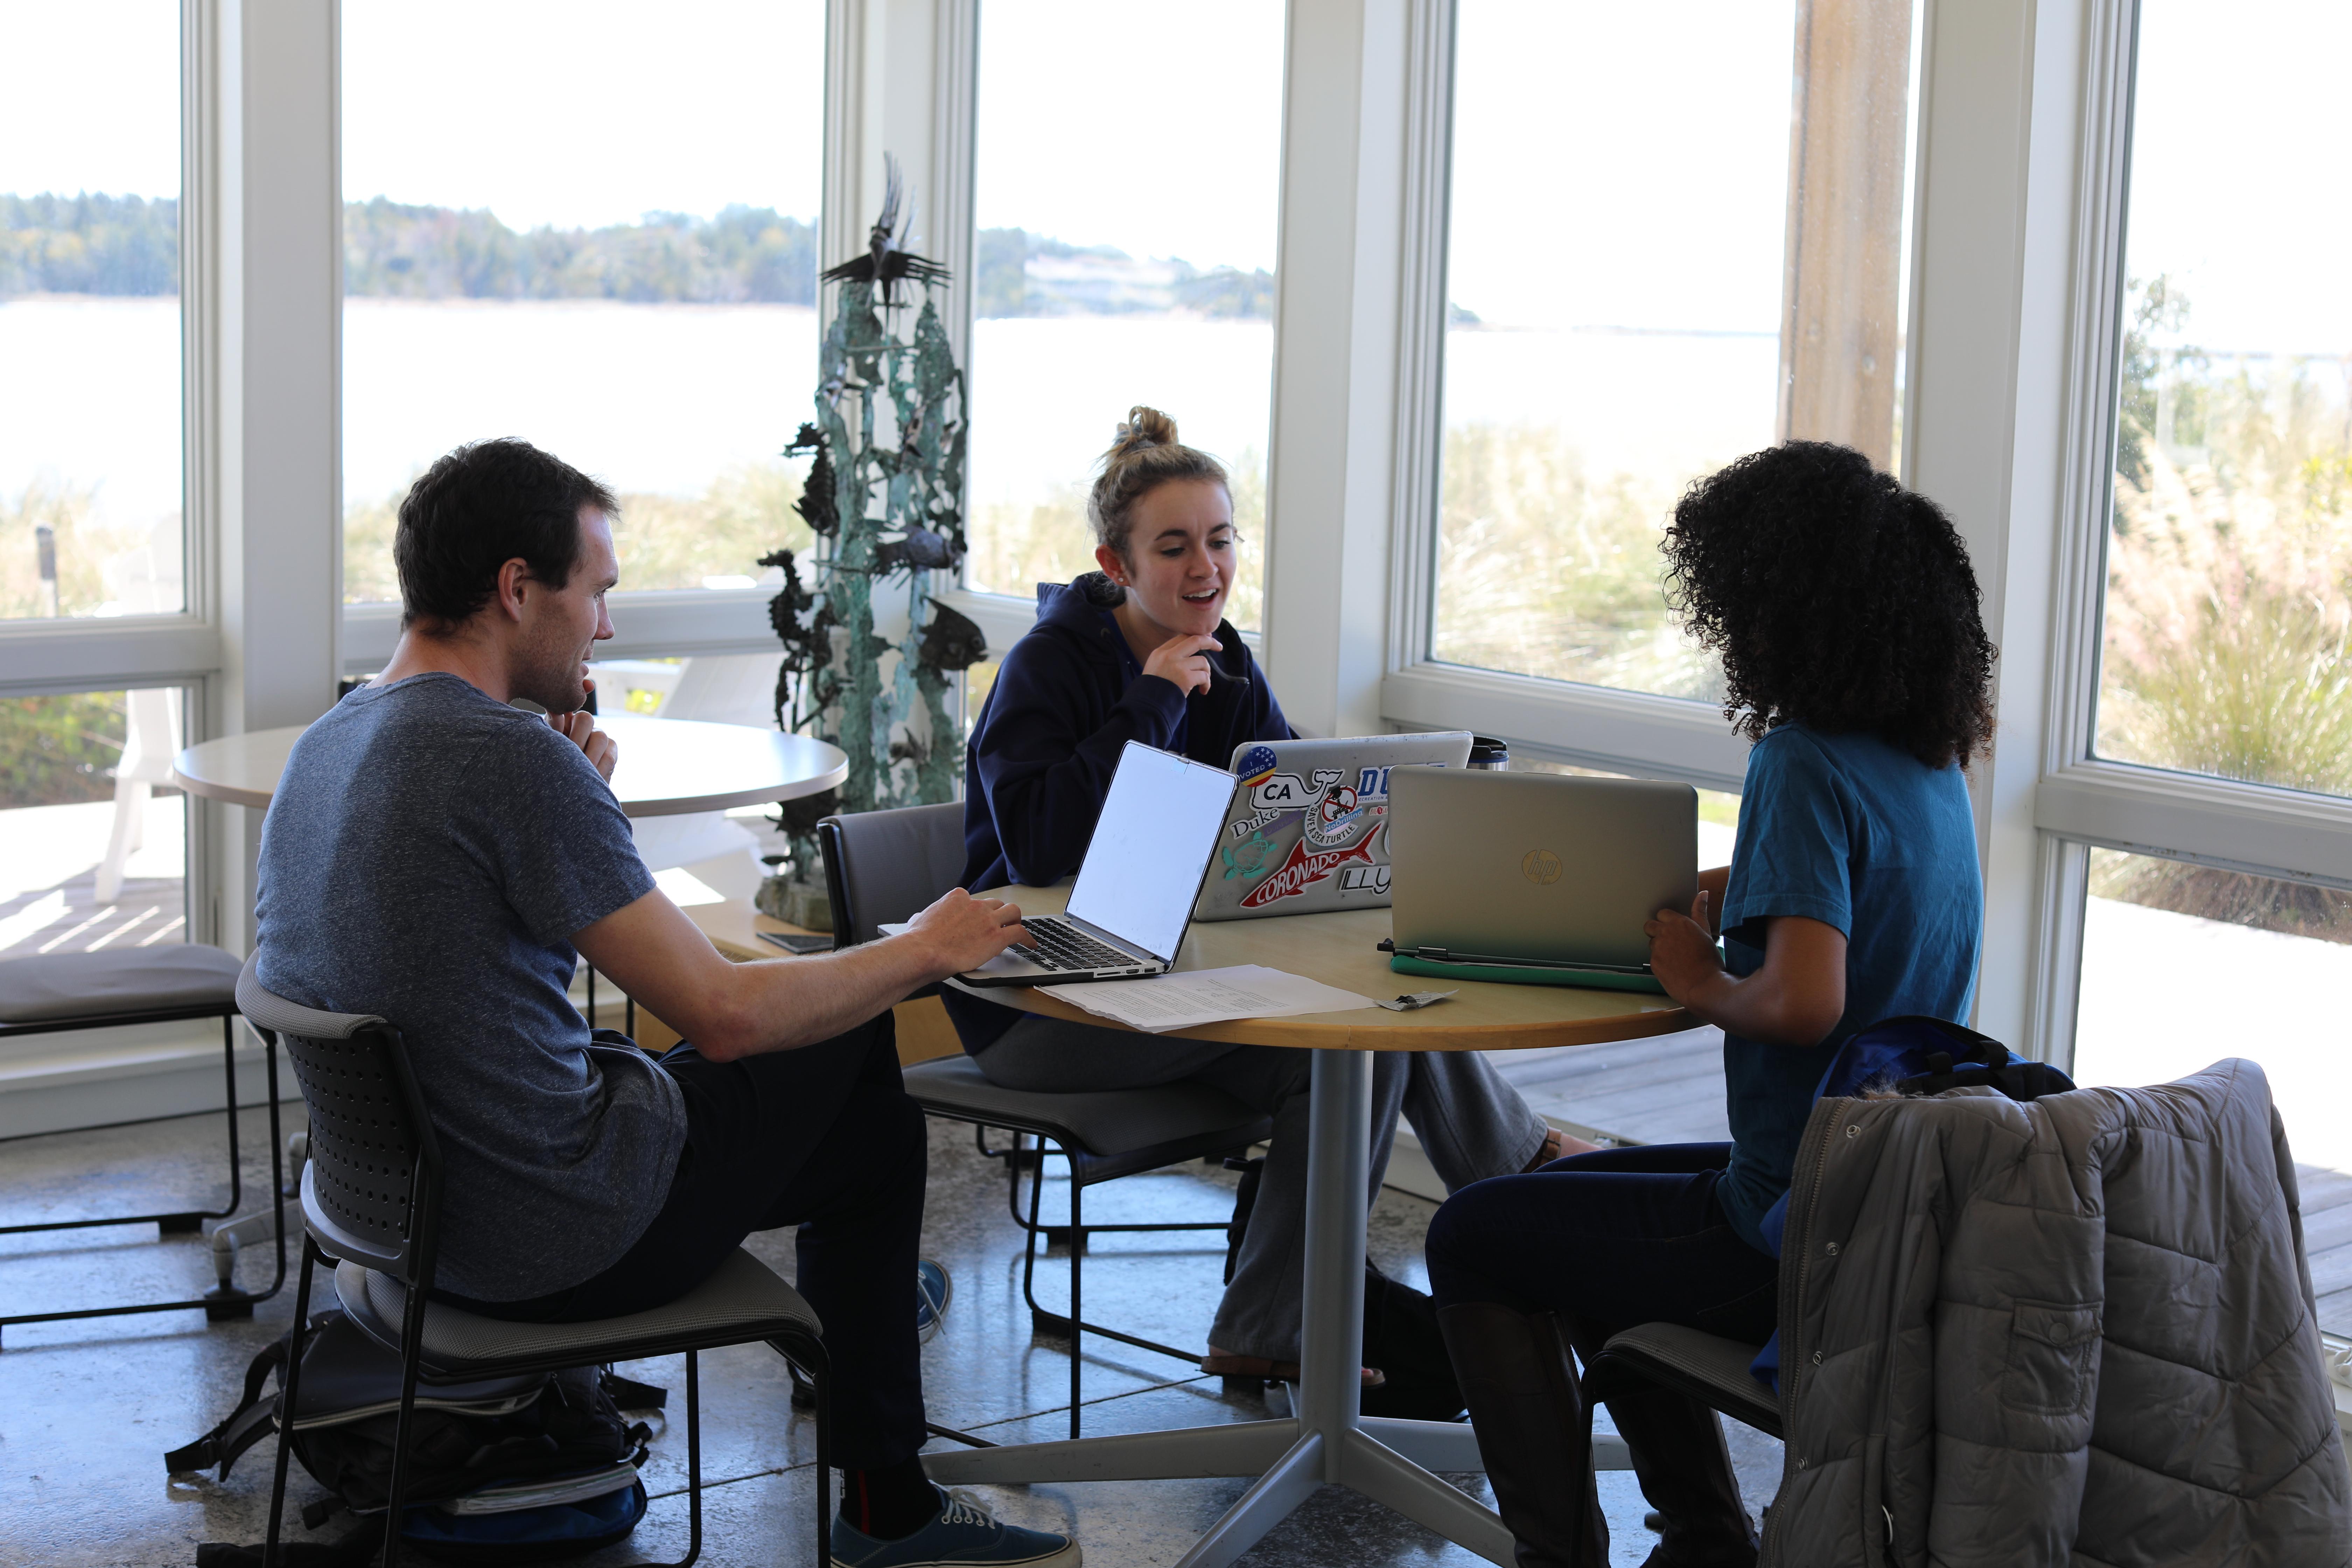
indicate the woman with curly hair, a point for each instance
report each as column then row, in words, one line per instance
column 1845, row 612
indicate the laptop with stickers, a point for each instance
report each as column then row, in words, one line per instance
column 1307, row 830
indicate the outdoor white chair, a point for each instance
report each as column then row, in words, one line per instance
column 151, row 740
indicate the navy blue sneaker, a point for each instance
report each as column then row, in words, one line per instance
column 933, row 1290
column 964, row 1535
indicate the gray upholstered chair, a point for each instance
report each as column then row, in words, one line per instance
column 371, row 1208
column 884, row 866
column 59, row 993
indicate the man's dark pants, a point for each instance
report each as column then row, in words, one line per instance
column 824, row 1138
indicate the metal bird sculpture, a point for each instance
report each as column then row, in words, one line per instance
column 887, row 262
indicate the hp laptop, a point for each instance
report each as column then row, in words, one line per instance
column 1536, row 877
column 1133, row 900
column 1307, row 828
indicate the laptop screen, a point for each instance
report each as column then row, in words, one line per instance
column 1150, row 846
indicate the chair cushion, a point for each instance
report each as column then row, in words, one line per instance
column 742, row 1300
column 1705, row 1366
column 1104, row 1123
column 59, row 987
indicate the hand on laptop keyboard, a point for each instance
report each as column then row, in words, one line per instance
column 1061, row 947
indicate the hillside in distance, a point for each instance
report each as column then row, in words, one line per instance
column 129, row 246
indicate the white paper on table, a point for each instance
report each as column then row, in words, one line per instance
column 1179, row 1001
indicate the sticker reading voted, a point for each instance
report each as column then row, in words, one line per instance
column 1255, row 764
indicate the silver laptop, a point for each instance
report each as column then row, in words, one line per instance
column 1307, row 831
column 1133, row 900
column 1537, row 871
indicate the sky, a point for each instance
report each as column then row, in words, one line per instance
column 103, row 111
column 1623, row 165
column 1153, row 128
column 1586, row 191
column 589, row 112
column 2238, row 170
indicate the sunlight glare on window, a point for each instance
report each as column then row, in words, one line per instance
column 2186, row 965
column 90, row 400
column 1126, row 220
column 1657, row 262
column 2228, row 603
column 611, row 254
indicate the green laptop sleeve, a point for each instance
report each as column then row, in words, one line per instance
column 1512, row 974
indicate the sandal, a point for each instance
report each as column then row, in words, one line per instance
column 1557, row 1145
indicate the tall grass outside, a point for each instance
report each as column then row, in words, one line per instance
column 2229, row 627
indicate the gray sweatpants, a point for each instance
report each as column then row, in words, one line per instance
column 1471, row 1123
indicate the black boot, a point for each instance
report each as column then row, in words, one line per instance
column 1686, row 1472
column 1528, row 1413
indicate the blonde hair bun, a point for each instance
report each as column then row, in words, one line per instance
column 1144, row 427
column 1146, row 456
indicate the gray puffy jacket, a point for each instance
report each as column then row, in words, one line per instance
column 2074, row 1331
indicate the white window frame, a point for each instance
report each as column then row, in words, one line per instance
column 662, row 622
column 2016, row 114
column 2022, row 140
column 1559, row 721
column 2086, row 801
column 45, row 658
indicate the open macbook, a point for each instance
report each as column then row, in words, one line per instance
column 1133, row 900
column 1536, row 872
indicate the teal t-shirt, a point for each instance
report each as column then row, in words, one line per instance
column 1860, row 834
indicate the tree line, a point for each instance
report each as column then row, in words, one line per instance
column 130, row 246
column 86, row 244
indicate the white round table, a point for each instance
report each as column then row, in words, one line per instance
column 668, row 767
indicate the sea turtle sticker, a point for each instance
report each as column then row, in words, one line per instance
column 1250, row 859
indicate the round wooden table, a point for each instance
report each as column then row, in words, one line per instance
column 668, row 767
column 1329, row 1440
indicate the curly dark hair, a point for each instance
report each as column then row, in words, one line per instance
column 1837, row 598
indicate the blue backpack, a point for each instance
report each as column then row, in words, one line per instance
column 1910, row 1057
column 507, row 1471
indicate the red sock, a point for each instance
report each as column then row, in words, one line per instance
column 890, row 1503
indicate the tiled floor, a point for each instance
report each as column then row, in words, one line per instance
column 87, row 1409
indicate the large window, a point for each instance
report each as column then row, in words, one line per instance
column 1126, row 169
column 1656, row 262
column 2229, row 591
column 90, row 488
column 593, row 226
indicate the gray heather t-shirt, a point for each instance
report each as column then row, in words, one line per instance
column 428, row 855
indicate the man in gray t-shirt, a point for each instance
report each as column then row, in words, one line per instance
column 443, row 858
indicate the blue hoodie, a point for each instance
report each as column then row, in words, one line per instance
column 1069, row 697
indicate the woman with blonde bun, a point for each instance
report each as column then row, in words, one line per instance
column 1140, row 650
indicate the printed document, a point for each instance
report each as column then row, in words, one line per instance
column 1191, row 996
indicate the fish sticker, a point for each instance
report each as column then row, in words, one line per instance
column 1304, row 866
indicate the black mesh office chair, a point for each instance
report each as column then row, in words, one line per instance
column 371, row 1208
column 45, row 994
column 884, row 866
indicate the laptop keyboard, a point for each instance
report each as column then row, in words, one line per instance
column 1066, row 948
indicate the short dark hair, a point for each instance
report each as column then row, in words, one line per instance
column 478, row 508
column 1837, row 598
